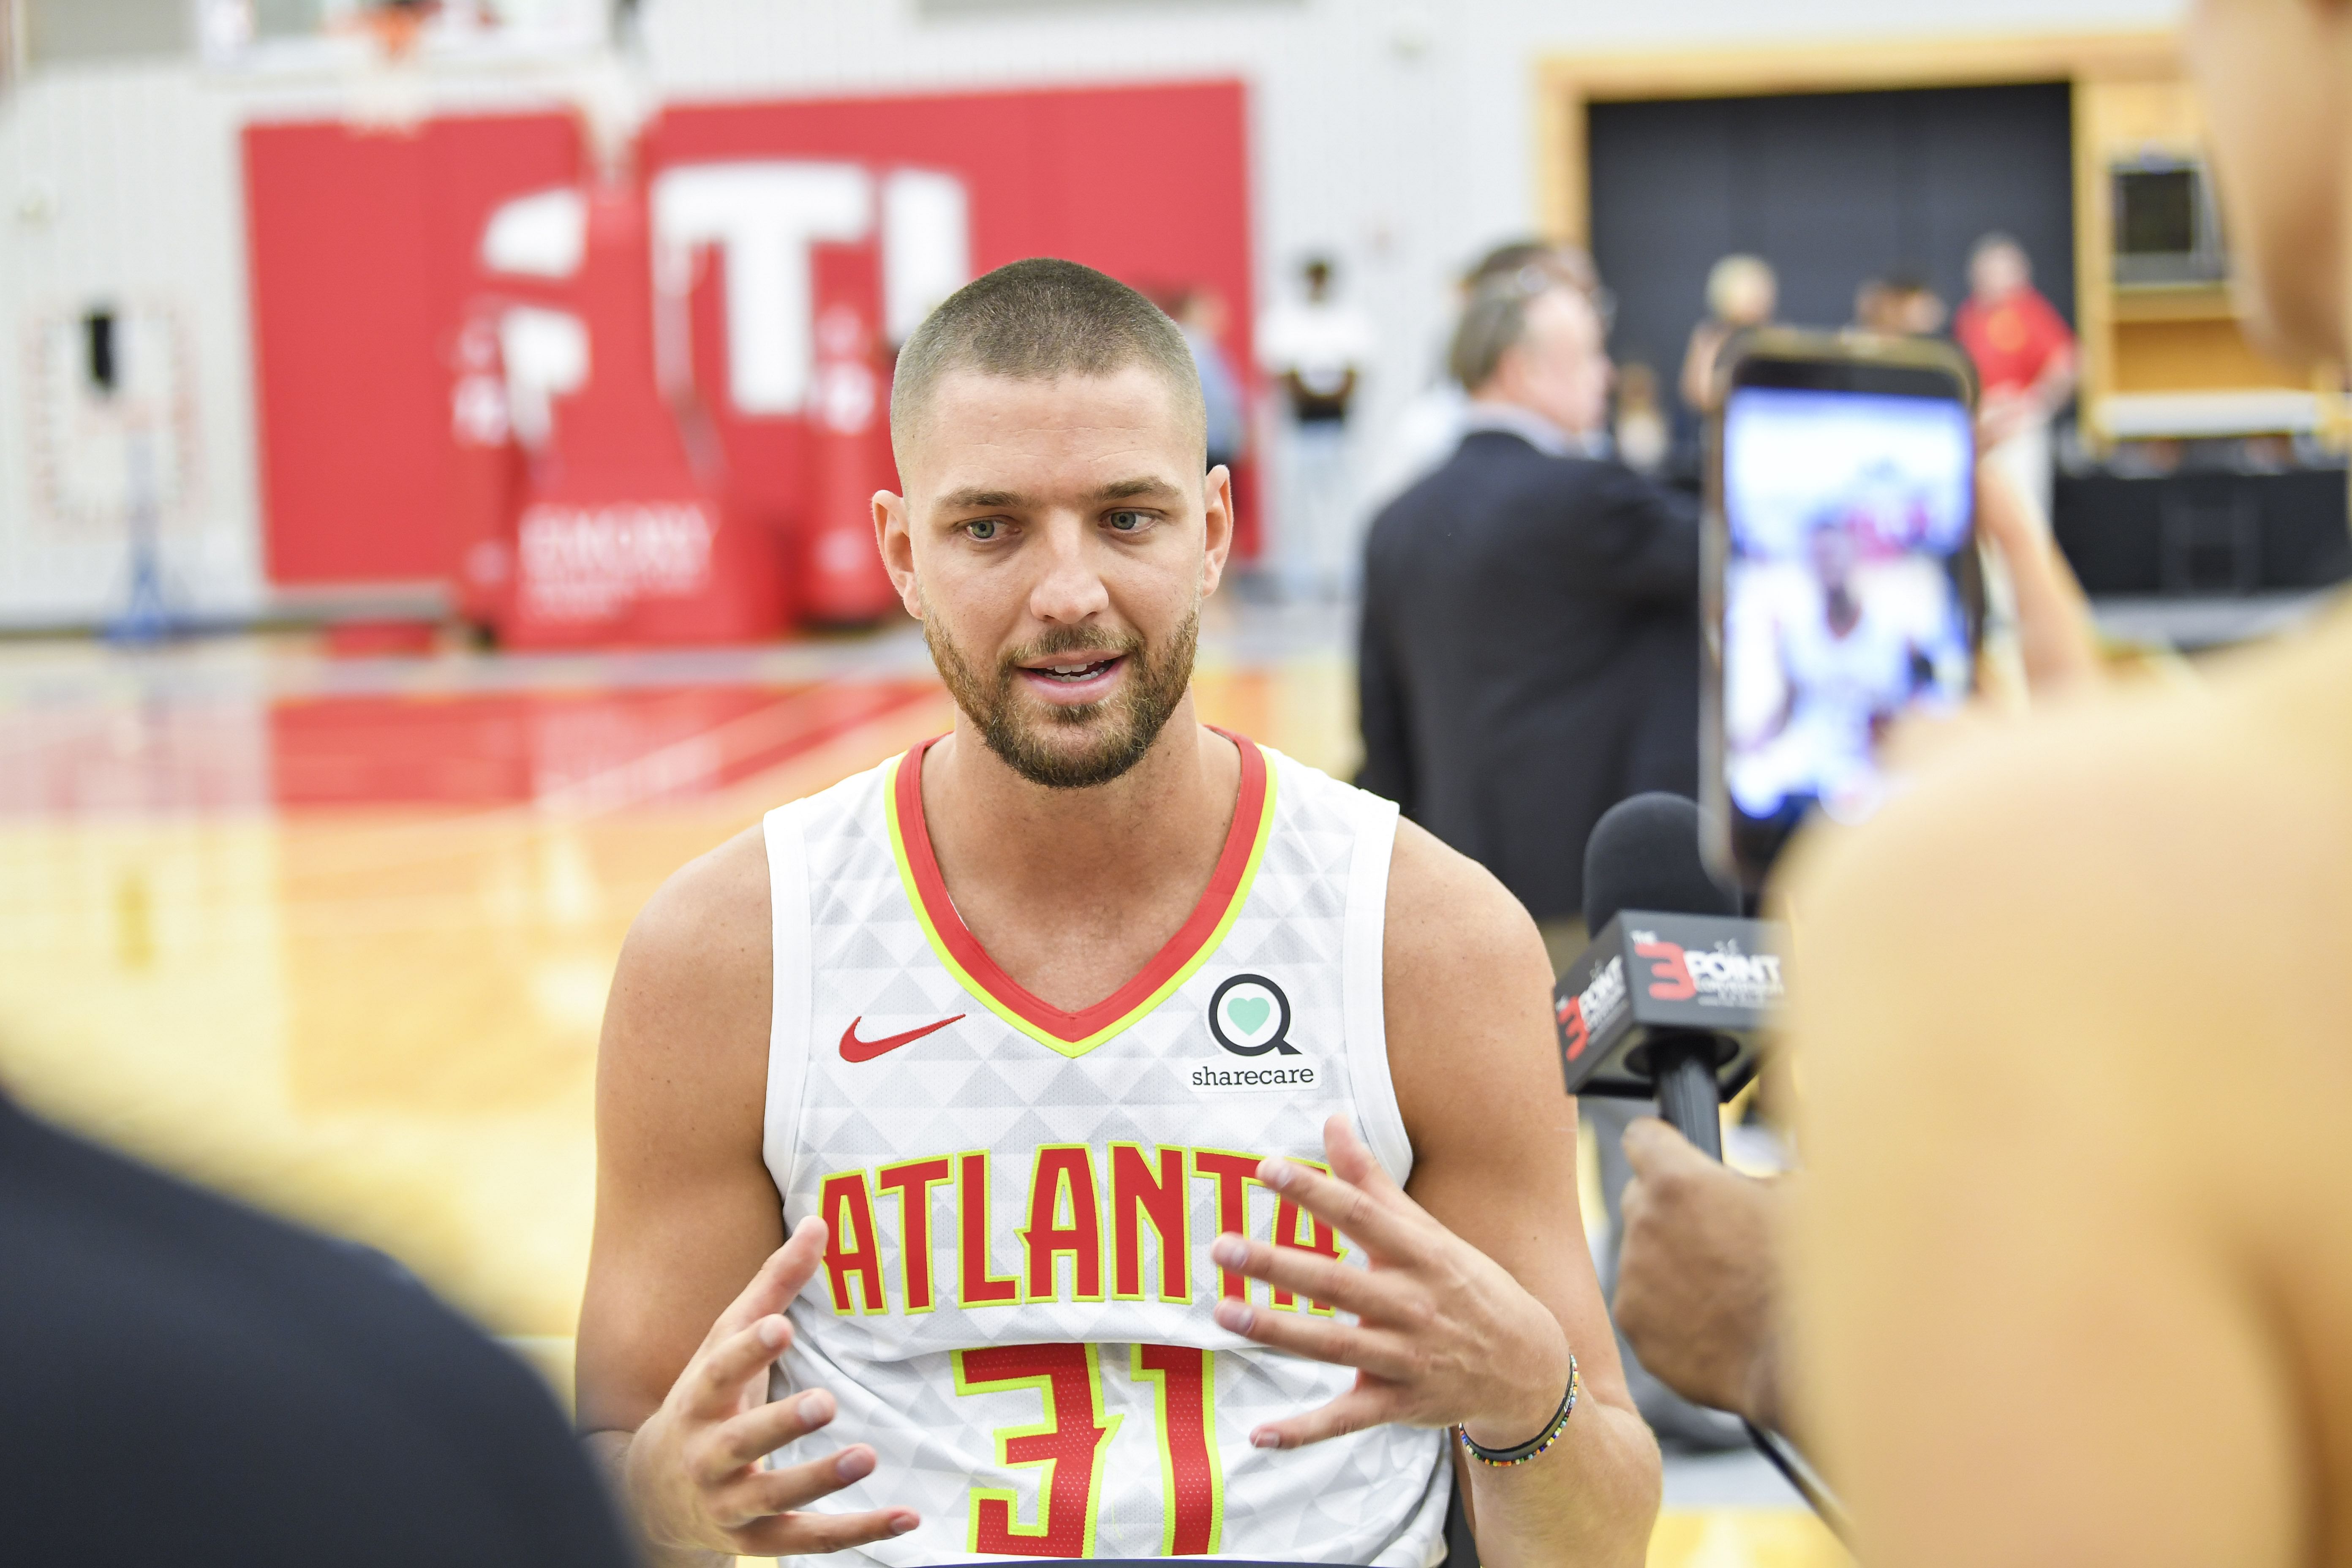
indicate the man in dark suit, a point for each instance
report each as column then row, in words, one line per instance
column 1530, row 634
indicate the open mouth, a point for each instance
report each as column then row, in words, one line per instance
column 1072, row 674
column 1075, row 677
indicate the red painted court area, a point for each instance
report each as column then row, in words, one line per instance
column 587, row 749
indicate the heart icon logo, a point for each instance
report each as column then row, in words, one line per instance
column 1250, row 1016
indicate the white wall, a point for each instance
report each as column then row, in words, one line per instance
column 1395, row 133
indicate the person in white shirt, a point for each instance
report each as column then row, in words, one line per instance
column 1316, row 349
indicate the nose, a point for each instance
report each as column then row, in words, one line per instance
column 1069, row 590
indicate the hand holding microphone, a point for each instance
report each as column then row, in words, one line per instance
column 1697, row 1284
column 1671, row 999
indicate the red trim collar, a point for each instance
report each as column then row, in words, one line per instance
column 1249, row 806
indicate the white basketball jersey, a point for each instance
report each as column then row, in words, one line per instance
column 1014, row 1305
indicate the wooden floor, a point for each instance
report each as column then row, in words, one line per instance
column 335, row 934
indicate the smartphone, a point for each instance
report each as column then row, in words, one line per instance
column 1843, row 589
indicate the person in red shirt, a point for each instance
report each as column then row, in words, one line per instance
column 2025, row 360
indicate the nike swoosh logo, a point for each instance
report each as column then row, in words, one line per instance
column 853, row 1050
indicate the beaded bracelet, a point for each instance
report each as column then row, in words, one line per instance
column 1499, row 1458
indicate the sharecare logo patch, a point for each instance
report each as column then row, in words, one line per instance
column 1590, row 1009
column 1725, row 977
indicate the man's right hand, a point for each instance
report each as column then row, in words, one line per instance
column 692, row 1472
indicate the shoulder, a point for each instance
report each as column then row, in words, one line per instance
column 2093, row 906
column 1444, row 907
column 682, row 1064
column 708, row 930
column 1466, row 994
column 268, row 1325
column 709, row 924
column 1456, row 943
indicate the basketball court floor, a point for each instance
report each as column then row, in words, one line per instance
column 333, row 933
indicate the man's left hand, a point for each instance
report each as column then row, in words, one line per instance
column 1444, row 1335
column 1697, row 1288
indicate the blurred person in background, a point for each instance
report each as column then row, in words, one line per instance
column 2070, row 1267
column 1529, row 646
column 186, row 1381
column 1899, row 305
column 2025, row 361
column 1643, row 435
column 1742, row 292
column 1430, row 427
column 1202, row 315
column 1316, row 348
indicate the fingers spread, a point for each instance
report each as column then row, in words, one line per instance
column 1376, row 1351
column 1350, row 1160
column 748, row 1437
column 1322, row 1280
column 812, row 1535
column 714, row 1386
column 1353, row 1411
column 760, row 1493
column 1389, row 1232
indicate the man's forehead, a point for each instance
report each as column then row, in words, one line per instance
column 1130, row 395
column 1071, row 434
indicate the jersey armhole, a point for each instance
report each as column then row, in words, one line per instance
column 788, row 1025
column 1363, row 1002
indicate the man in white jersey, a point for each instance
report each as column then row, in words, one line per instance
column 1170, row 1143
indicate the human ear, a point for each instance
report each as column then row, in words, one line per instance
column 896, row 540
column 1217, row 495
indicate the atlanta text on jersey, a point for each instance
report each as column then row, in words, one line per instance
column 1080, row 1236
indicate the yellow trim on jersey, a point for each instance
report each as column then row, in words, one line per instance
column 1012, row 1015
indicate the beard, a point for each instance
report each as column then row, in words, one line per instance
column 1071, row 748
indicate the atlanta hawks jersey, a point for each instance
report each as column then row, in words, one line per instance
column 1013, row 1308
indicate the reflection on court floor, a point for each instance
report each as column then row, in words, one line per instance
column 334, row 935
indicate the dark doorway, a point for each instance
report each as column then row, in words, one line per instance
column 1832, row 189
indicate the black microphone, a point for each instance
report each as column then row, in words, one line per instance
column 1670, row 999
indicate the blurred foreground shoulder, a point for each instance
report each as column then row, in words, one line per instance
column 2071, row 1082
column 2053, row 881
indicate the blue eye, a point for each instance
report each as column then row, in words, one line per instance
column 1129, row 521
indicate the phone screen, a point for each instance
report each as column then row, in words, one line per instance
column 1844, row 606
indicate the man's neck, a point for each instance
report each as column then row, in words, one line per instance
column 1490, row 412
column 1136, row 848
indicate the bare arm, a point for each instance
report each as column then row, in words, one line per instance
column 690, row 1275
column 1481, row 1284
column 1476, row 1060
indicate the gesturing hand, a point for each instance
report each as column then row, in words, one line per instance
column 692, row 1472
column 1443, row 1334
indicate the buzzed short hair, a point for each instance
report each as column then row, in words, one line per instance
column 1041, row 320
